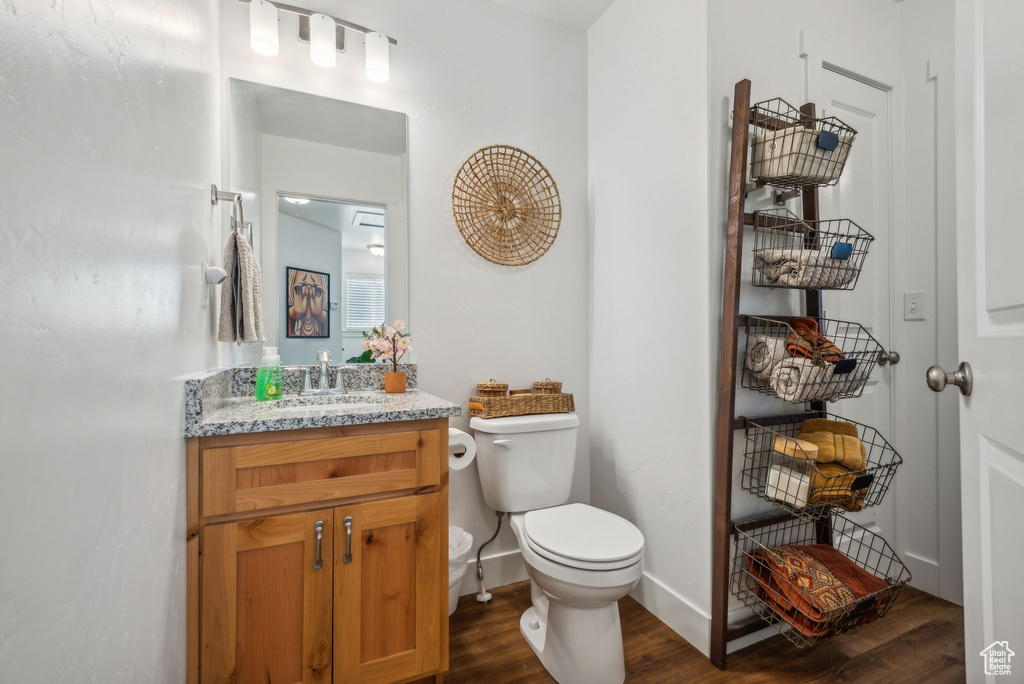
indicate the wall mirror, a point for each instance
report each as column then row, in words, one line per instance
column 325, row 185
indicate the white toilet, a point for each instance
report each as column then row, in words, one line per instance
column 581, row 560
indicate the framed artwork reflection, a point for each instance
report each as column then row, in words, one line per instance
column 308, row 303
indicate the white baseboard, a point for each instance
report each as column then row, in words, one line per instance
column 924, row 571
column 676, row 611
column 501, row 568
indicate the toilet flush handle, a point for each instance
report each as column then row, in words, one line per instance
column 504, row 443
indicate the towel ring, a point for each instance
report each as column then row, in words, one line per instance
column 238, row 223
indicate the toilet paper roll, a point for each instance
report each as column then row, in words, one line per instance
column 461, row 449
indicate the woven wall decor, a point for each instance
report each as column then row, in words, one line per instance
column 506, row 205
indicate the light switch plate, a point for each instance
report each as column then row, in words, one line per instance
column 913, row 305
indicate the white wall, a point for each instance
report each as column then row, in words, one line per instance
column 109, row 129
column 468, row 74
column 650, row 415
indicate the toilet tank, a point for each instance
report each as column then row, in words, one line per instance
column 526, row 462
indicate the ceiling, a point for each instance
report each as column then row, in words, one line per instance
column 291, row 114
column 577, row 14
column 341, row 216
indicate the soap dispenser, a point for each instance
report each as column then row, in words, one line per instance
column 268, row 380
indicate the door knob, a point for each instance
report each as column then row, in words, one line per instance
column 885, row 357
column 962, row 378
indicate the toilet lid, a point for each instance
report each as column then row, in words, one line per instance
column 577, row 532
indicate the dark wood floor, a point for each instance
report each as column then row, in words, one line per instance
column 921, row 640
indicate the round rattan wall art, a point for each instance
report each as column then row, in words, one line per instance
column 506, row 205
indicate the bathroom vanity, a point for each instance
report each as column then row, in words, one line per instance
column 317, row 535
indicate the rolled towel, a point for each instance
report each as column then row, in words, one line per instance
column 844, row 450
column 763, row 354
column 799, row 380
column 846, row 384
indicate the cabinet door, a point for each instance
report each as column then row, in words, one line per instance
column 267, row 594
column 387, row 604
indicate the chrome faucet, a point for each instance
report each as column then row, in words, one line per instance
column 323, row 357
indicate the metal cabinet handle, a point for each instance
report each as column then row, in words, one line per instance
column 348, row 541
column 962, row 378
column 885, row 357
column 318, row 527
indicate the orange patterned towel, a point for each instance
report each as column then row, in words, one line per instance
column 813, row 587
column 806, row 342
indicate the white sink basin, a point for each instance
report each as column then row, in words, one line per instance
column 324, row 408
column 332, row 403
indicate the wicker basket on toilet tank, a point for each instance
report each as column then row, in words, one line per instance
column 545, row 397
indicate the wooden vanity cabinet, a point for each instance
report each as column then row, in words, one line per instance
column 319, row 555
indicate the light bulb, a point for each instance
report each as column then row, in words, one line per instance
column 297, row 200
column 376, row 250
column 322, row 46
column 378, row 68
column 263, row 27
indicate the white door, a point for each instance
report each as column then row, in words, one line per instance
column 863, row 195
column 990, row 245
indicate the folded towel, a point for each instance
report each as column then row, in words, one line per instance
column 763, row 354
column 806, row 268
column 815, row 587
column 797, row 448
column 843, row 450
column 839, row 427
column 832, row 485
column 241, row 294
column 799, row 380
column 806, row 342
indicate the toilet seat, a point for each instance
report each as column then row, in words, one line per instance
column 584, row 537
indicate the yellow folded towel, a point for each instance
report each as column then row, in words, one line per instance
column 843, row 450
column 797, row 448
column 831, row 484
column 839, row 427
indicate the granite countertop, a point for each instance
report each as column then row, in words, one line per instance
column 220, row 403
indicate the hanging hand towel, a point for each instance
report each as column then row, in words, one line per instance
column 241, row 295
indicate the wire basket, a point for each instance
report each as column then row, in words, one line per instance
column 780, row 468
column 807, row 255
column 790, row 150
column 808, row 359
column 778, row 571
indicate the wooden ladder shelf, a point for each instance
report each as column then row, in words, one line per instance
column 727, row 423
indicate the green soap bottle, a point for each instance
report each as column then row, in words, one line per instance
column 268, row 380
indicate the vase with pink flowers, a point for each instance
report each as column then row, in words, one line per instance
column 389, row 343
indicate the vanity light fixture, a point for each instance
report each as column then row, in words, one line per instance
column 325, row 34
column 378, row 67
column 297, row 200
column 376, row 249
column 263, row 27
column 322, row 32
